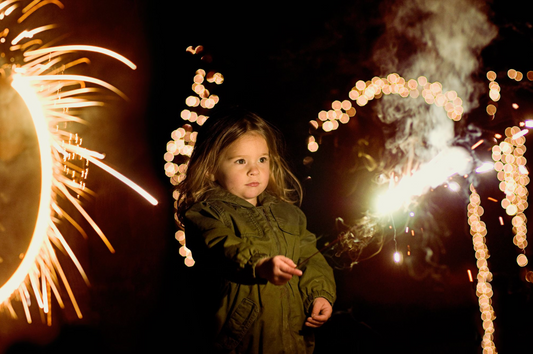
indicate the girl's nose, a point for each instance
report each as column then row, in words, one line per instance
column 253, row 170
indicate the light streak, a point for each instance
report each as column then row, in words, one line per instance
column 485, row 167
column 30, row 34
column 122, row 178
column 477, row 144
column 77, row 48
column 519, row 134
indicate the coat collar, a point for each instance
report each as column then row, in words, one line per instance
column 220, row 193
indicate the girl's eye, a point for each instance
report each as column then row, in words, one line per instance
column 240, row 161
column 263, row 159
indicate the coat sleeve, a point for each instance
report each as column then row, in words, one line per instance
column 215, row 243
column 317, row 279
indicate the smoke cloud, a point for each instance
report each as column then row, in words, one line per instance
column 441, row 40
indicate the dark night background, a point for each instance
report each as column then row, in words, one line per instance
column 286, row 62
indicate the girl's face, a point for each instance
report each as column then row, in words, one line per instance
column 244, row 167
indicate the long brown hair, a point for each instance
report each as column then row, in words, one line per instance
column 214, row 137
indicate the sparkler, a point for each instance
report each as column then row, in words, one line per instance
column 49, row 94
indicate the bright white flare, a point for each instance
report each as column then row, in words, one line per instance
column 487, row 166
column 453, row 160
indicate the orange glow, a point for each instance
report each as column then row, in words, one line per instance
column 513, row 177
column 478, row 230
column 365, row 91
column 522, row 260
column 491, row 109
column 179, row 149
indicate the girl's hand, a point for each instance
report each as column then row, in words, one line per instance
column 278, row 270
column 321, row 313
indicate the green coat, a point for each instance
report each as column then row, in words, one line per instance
column 227, row 236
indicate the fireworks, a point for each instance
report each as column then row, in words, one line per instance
column 38, row 73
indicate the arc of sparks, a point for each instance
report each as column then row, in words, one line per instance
column 77, row 48
column 43, row 216
column 48, row 94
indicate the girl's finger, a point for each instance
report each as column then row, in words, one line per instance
column 313, row 323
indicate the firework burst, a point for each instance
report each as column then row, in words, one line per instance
column 44, row 75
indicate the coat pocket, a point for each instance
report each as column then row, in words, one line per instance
column 237, row 325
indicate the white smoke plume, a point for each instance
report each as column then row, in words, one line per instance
column 441, row 40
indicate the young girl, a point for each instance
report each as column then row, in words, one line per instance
column 247, row 237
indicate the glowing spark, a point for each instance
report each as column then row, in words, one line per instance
column 477, row 144
column 397, row 257
column 75, row 48
column 529, row 123
column 454, row 186
column 470, row 276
